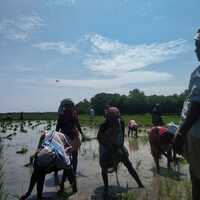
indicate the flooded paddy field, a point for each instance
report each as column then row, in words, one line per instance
column 19, row 140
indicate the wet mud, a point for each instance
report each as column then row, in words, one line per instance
column 90, row 185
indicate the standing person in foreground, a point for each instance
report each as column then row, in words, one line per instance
column 53, row 153
column 189, row 130
column 68, row 123
column 112, row 150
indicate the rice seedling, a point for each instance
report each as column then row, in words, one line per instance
column 23, row 150
column 162, row 189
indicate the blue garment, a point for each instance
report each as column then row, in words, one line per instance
column 55, row 144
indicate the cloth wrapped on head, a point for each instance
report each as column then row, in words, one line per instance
column 132, row 124
column 112, row 114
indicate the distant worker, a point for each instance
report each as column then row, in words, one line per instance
column 8, row 116
column 92, row 113
column 157, row 116
column 132, row 127
column 21, row 117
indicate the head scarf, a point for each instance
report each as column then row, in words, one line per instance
column 112, row 114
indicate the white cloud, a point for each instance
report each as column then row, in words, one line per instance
column 21, row 27
column 125, row 65
column 61, row 47
column 60, row 2
column 120, row 81
column 113, row 57
column 164, row 89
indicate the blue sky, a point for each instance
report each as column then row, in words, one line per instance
column 55, row 49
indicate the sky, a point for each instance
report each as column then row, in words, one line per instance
column 56, row 49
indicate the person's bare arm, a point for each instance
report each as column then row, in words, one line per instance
column 192, row 116
column 58, row 125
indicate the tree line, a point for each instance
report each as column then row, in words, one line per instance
column 136, row 102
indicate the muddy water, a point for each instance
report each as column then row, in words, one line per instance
column 90, row 185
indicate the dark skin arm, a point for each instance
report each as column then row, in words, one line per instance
column 123, row 127
column 192, row 116
column 79, row 128
column 38, row 148
column 58, row 125
column 100, row 134
column 41, row 140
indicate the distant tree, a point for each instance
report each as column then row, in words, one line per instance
column 84, row 106
column 136, row 102
column 99, row 101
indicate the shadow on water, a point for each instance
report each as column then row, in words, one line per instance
column 53, row 180
column 79, row 174
column 53, row 196
column 114, row 193
column 169, row 173
column 46, row 195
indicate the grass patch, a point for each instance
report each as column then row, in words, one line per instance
column 86, row 120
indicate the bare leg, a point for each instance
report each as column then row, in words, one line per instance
column 56, row 179
column 75, row 160
column 132, row 171
column 128, row 132
column 136, row 133
column 32, row 183
column 157, row 164
column 117, row 180
column 68, row 173
column 131, row 132
column 169, row 158
column 40, row 185
column 104, row 173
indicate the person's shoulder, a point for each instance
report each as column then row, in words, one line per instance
column 196, row 72
column 59, row 134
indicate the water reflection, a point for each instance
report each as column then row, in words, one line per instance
column 133, row 145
